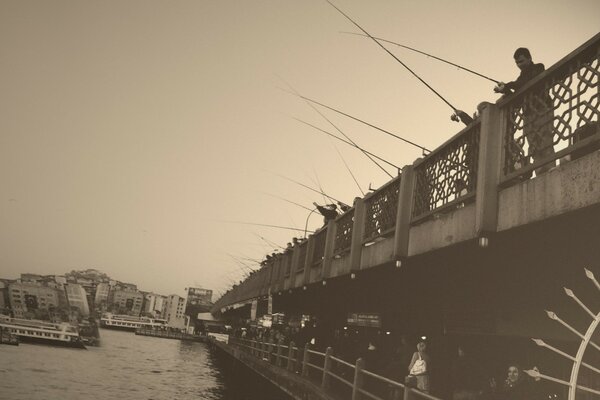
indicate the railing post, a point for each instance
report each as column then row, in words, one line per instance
column 407, row 393
column 278, row 359
column 406, row 194
column 488, row 171
column 329, row 246
column 305, row 361
column 358, row 231
column 270, row 351
column 358, row 379
column 326, row 368
column 291, row 363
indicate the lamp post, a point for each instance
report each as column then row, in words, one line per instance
column 307, row 218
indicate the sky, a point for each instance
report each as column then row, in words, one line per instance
column 131, row 131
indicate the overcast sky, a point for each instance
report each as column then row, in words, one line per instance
column 129, row 130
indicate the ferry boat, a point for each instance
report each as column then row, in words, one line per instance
column 35, row 331
column 129, row 323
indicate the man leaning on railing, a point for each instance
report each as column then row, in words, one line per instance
column 538, row 119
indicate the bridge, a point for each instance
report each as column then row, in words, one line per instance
column 470, row 242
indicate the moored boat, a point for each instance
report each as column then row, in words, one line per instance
column 129, row 323
column 35, row 331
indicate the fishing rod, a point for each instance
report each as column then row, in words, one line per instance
column 349, row 170
column 267, row 225
column 358, row 119
column 428, row 55
column 335, row 126
column 269, row 242
column 396, row 58
column 286, row 200
column 309, row 188
column 347, row 142
column 318, row 184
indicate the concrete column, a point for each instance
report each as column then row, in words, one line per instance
column 294, row 269
column 310, row 249
column 406, row 195
column 358, row 229
column 489, row 170
column 329, row 247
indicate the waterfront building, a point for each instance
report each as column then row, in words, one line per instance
column 174, row 311
column 77, row 297
column 101, row 295
column 31, row 298
column 154, row 304
column 126, row 301
column 4, row 304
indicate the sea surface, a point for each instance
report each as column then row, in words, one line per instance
column 127, row 366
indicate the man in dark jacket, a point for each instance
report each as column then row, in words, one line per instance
column 537, row 109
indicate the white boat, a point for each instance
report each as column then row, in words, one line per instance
column 36, row 331
column 129, row 323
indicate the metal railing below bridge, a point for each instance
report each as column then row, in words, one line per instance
column 349, row 380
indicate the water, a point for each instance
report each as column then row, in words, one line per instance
column 127, row 366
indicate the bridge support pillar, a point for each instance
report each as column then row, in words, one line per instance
column 357, row 234
column 404, row 213
column 488, row 171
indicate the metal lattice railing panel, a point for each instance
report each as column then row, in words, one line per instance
column 555, row 113
column 381, row 210
column 343, row 233
column 449, row 173
column 319, row 246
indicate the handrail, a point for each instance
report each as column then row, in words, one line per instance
column 357, row 385
column 316, row 352
column 383, row 378
column 342, row 361
column 369, row 394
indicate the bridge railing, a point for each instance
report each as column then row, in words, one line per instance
column 381, row 209
column 350, row 381
column 447, row 175
column 343, row 233
column 553, row 116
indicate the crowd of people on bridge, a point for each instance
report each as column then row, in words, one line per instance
column 407, row 360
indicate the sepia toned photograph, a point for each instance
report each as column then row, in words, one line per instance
column 299, row 200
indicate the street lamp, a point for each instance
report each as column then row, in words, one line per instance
column 307, row 218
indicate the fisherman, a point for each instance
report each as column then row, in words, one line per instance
column 538, row 119
column 328, row 211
